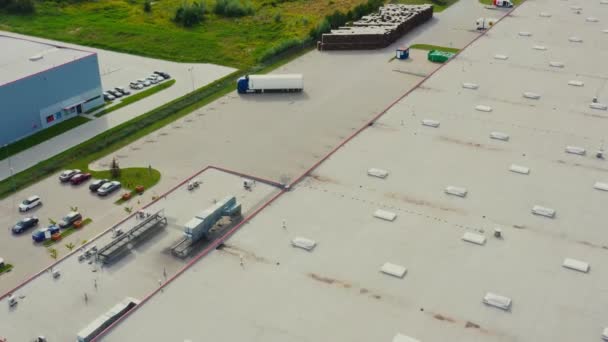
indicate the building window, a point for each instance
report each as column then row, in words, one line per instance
column 92, row 99
column 50, row 118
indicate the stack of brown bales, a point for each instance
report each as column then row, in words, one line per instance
column 377, row 30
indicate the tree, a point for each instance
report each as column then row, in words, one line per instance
column 128, row 209
column 70, row 246
column 147, row 6
column 190, row 14
column 115, row 169
column 74, row 208
column 53, row 253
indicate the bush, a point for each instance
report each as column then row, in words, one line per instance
column 338, row 18
column 323, row 27
column 277, row 18
column 18, row 6
column 147, row 6
column 233, row 8
column 190, row 14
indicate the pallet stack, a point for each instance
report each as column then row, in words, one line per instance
column 377, row 30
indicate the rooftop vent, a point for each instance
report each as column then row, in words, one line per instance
column 483, row 108
column 430, row 123
column 385, row 215
column 601, row 186
column 544, row 14
column 519, row 169
column 592, row 19
column 456, row 191
column 576, row 83
column 600, row 106
column 36, row 58
column 377, row 173
column 539, row 47
column 575, row 39
column 470, row 85
column 304, row 243
column 497, row 301
column 543, row 211
column 393, row 269
column 474, row 238
column 499, row 136
column 531, row 95
column 525, row 34
column 556, row 64
column 576, row 265
column 575, row 150
column 501, row 57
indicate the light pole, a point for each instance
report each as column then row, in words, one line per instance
column 191, row 77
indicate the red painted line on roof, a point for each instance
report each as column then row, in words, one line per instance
column 257, row 179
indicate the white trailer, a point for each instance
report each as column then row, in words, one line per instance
column 485, row 23
column 270, row 83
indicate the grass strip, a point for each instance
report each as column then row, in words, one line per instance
column 67, row 232
column 6, row 268
column 428, row 47
column 136, row 97
column 80, row 156
column 40, row 137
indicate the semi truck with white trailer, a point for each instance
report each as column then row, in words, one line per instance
column 270, row 83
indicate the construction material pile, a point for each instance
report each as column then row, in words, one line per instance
column 377, row 30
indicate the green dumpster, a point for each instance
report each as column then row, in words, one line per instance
column 437, row 56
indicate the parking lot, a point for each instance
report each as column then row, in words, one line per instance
column 276, row 136
column 141, row 268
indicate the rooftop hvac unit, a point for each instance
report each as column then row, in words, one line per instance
column 393, row 270
column 539, row 47
column 474, row 238
column 601, row 186
column 497, row 301
column 576, row 83
column 519, row 169
column 470, row 85
column 380, row 173
column 525, row 34
column 531, row 95
column 456, row 191
column 575, row 40
column 575, row 150
column 556, row 64
column 304, row 243
column 543, row 211
column 499, row 136
column 483, row 108
column 501, row 57
column 599, row 106
column 576, row 265
column 385, row 215
column 36, row 58
column 430, row 123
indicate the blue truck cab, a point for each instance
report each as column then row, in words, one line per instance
column 242, row 85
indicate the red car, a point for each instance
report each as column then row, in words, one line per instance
column 79, row 178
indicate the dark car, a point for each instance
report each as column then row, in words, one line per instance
column 163, row 74
column 69, row 219
column 115, row 93
column 67, row 175
column 25, row 224
column 79, row 178
column 108, row 188
column 96, row 184
column 41, row 234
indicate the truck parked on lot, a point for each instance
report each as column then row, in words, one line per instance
column 485, row 23
column 502, row 3
column 270, row 83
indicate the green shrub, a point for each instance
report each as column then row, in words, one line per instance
column 322, row 27
column 338, row 18
column 233, row 8
column 277, row 18
column 147, row 6
column 190, row 14
column 18, row 6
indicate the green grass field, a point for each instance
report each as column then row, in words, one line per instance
column 124, row 26
column 136, row 97
column 41, row 136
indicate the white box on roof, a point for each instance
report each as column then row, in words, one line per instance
column 531, row 95
column 483, row 108
column 600, row 106
column 467, row 85
column 543, row 211
column 430, row 123
column 575, row 39
column 385, row 215
column 575, row 150
column 474, row 238
column 380, row 173
column 501, row 57
column 304, row 243
column 519, row 169
column 404, row 338
column 576, row 83
column 456, row 191
column 525, row 33
column 576, row 265
column 497, row 301
column 499, row 136
column 601, row 186
column 393, row 269
column 556, row 64
column 605, row 332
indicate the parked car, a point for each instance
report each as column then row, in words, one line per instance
column 116, row 94
column 96, row 184
column 163, row 74
column 108, row 97
column 30, row 203
column 40, row 235
column 25, row 224
column 136, row 85
column 146, row 83
column 108, row 188
column 69, row 219
column 123, row 90
column 79, row 178
column 67, row 175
